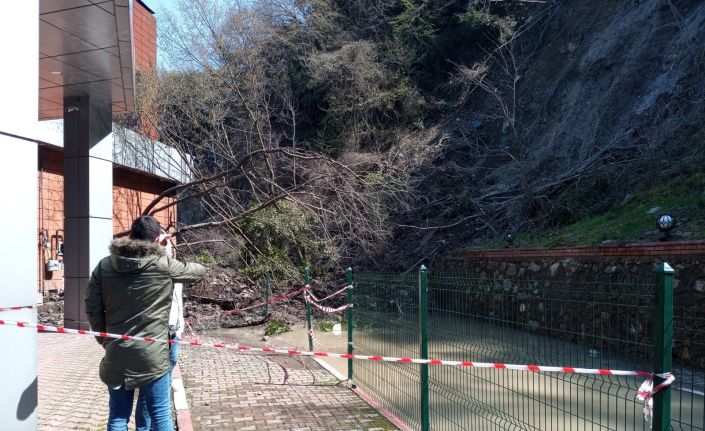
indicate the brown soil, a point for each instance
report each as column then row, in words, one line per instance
column 222, row 290
column 51, row 312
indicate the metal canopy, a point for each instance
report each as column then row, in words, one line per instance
column 85, row 48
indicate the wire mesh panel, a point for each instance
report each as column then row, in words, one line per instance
column 688, row 395
column 577, row 324
column 606, row 323
column 386, row 324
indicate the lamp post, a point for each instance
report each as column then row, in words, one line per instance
column 665, row 223
column 509, row 240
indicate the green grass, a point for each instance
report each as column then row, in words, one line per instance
column 631, row 221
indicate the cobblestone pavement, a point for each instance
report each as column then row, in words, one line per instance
column 71, row 396
column 229, row 390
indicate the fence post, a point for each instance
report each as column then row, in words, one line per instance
column 663, row 345
column 423, row 338
column 350, row 326
column 308, row 311
column 267, row 292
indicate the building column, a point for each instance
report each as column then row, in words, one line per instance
column 19, row 31
column 88, row 198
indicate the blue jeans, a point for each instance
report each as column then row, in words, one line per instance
column 157, row 403
column 143, row 421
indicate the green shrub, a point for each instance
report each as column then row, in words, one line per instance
column 205, row 257
column 276, row 327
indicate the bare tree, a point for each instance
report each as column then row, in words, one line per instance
column 227, row 107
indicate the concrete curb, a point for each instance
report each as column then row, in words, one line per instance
column 330, row 369
column 183, row 414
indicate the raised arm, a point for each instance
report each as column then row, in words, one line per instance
column 181, row 272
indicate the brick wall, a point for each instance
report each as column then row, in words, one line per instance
column 132, row 191
column 144, row 37
column 679, row 248
column 50, row 215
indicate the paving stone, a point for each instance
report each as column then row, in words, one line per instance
column 264, row 393
column 226, row 391
column 71, row 395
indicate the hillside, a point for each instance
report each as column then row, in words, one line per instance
column 421, row 127
column 609, row 106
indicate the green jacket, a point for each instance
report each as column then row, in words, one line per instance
column 130, row 293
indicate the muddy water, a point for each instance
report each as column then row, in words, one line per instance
column 485, row 399
column 489, row 399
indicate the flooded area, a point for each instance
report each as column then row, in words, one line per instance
column 484, row 399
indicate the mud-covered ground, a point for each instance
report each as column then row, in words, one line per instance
column 51, row 311
column 223, row 290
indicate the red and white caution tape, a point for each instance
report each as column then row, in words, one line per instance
column 330, row 309
column 466, row 364
column 262, row 304
column 646, row 393
column 337, row 292
column 311, row 298
column 25, row 307
column 190, row 328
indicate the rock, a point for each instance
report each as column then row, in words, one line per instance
column 521, row 273
column 654, row 210
column 554, row 268
column 685, row 354
column 700, row 285
column 533, row 325
column 265, row 338
column 511, row 270
column 533, row 267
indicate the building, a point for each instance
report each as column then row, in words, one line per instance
column 70, row 178
column 142, row 168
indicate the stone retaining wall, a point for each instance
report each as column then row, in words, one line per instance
column 536, row 287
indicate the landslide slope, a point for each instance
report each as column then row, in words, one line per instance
column 592, row 102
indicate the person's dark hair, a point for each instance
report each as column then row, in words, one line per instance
column 145, row 228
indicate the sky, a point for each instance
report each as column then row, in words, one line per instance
column 161, row 8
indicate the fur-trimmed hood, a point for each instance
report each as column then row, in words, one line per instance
column 129, row 255
column 134, row 248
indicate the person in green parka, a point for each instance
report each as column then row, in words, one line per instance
column 130, row 293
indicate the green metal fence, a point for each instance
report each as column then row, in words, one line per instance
column 605, row 324
column 386, row 323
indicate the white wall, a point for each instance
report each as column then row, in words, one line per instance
column 19, row 77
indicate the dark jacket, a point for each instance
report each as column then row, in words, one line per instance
column 130, row 293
